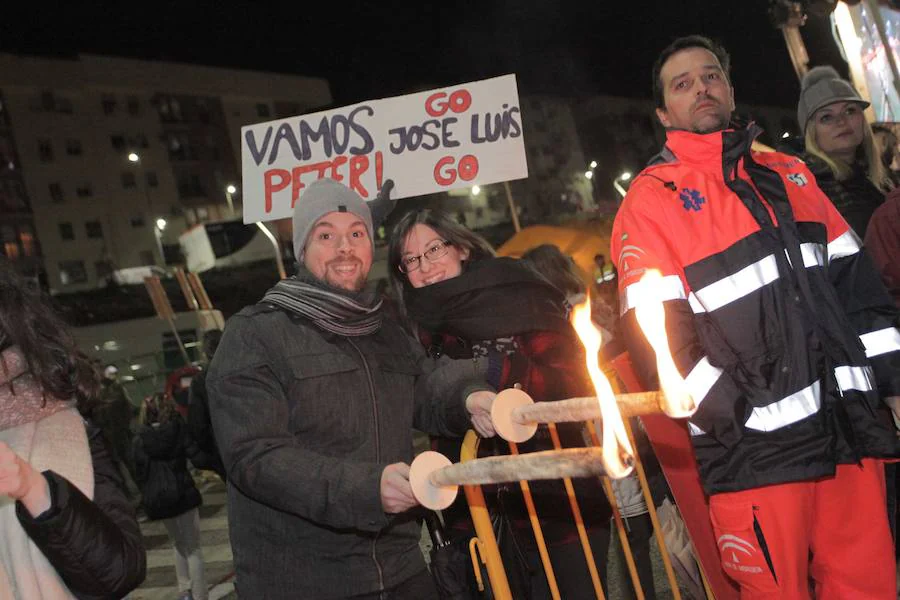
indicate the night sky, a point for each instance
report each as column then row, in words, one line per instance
column 376, row 49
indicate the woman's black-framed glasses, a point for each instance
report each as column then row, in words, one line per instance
column 431, row 254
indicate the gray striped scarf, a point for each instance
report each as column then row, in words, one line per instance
column 331, row 309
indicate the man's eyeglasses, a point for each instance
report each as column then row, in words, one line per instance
column 432, row 253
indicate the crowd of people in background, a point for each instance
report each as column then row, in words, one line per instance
column 307, row 408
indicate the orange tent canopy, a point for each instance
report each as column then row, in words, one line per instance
column 581, row 241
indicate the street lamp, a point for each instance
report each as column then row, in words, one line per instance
column 593, row 164
column 133, row 157
column 229, row 190
column 589, row 174
column 161, row 224
column 625, row 176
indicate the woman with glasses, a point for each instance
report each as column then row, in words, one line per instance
column 495, row 321
column 840, row 147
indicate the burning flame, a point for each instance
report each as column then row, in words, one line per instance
column 676, row 401
column 617, row 451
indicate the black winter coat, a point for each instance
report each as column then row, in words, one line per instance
column 856, row 198
column 161, row 472
column 95, row 546
column 204, row 452
column 307, row 421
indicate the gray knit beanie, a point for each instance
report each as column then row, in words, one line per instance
column 822, row 86
column 320, row 198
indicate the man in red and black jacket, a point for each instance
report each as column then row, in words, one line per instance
column 783, row 332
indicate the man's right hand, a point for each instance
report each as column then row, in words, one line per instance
column 396, row 493
column 479, row 404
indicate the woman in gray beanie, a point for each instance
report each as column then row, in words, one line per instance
column 840, row 146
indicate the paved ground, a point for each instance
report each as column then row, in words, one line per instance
column 160, row 583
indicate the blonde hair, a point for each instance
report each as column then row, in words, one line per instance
column 875, row 171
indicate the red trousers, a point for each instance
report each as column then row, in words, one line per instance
column 834, row 531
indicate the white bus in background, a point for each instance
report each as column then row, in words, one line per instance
column 224, row 244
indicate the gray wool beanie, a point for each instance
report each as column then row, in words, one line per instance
column 320, row 198
column 822, row 86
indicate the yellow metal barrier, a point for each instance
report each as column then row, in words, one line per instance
column 490, row 551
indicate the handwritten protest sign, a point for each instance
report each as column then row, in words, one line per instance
column 426, row 142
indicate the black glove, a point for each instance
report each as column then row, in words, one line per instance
column 382, row 205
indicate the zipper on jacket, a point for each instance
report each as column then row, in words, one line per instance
column 377, row 453
column 372, row 395
column 381, row 589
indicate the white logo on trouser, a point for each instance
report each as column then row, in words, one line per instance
column 736, row 544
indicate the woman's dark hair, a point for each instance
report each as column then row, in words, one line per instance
column 557, row 268
column 683, row 43
column 158, row 408
column 459, row 237
column 28, row 321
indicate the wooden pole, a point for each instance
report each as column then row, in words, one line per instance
column 550, row 464
column 186, row 290
column 512, row 207
column 516, row 415
column 200, row 291
column 164, row 311
column 574, row 410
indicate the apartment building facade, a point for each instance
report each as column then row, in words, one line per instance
column 104, row 161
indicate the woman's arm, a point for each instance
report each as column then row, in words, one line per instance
column 95, row 546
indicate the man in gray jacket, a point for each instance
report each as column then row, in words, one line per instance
column 313, row 394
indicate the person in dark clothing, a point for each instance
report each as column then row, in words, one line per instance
column 882, row 241
column 169, row 493
column 498, row 321
column 313, row 395
column 112, row 413
column 840, row 147
column 70, row 530
column 204, row 454
column 886, row 145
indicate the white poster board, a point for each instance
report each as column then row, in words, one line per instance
column 427, row 142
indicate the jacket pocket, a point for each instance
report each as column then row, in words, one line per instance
column 742, row 546
column 327, row 394
column 310, row 366
column 399, row 373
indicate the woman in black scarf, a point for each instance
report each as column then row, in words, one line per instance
column 494, row 320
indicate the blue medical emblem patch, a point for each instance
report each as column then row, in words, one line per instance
column 691, row 199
